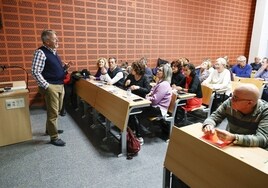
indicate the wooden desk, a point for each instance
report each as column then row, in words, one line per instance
column 112, row 102
column 185, row 96
column 15, row 123
column 200, row 164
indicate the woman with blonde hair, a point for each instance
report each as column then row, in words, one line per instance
column 102, row 63
column 203, row 71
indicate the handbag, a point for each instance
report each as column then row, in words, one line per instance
column 133, row 144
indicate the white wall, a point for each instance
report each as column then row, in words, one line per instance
column 259, row 37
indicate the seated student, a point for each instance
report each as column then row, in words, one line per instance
column 160, row 96
column 191, row 84
column 126, row 68
column 247, row 117
column 139, row 84
column 114, row 75
column 219, row 79
column 242, row 69
column 177, row 76
column 159, row 62
column 229, row 67
column 183, row 61
column 102, row 65
column 204, row 70
column 148, row 71
column 256, row 65
column 262, row 74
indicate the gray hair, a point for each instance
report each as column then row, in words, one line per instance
column 222, row 61
column 46, row 34
column 241, row 58
column 167, row 72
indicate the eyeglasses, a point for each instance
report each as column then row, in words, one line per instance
column 236, row 99
column 160, row 69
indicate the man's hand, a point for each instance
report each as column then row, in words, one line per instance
column 208, row 129
column 225, row 135
column 67, row 65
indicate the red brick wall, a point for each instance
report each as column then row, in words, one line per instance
column 126, row 29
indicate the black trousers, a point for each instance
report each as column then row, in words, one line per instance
column 218, row 100
column 147, row 112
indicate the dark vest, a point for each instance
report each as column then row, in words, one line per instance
column 112, row 74
column 53, row 71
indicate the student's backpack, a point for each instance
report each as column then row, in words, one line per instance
column 133, row 144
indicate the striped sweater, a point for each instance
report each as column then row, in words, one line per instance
column 251, row 129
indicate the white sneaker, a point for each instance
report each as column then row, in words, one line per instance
column 140, row 139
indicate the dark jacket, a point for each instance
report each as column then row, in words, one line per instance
column 144, row 84
column 112, row 74
column 194, row 86
column 177, row 79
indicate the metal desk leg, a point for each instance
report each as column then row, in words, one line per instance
column 107, row 129
column 123, row 143
column 166, row 178
column 85, row 106
column 94, row 118
column 78, row 99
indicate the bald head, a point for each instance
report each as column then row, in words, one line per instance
column 248, row 91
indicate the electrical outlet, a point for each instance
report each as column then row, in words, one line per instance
column 15, row 103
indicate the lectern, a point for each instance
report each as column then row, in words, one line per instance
column 15, row 125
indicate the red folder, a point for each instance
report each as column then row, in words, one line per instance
column 213, row 139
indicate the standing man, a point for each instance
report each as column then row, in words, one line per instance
column 49, row 72
column 114, row 75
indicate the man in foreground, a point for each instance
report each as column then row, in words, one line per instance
column 247, row 117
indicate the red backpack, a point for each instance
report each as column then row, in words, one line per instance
column 133, row 144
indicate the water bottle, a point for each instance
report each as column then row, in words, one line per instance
column 128, row 92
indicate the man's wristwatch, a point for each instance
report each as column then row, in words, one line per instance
column 236, row 139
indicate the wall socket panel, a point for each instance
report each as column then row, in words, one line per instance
column 15, row 103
